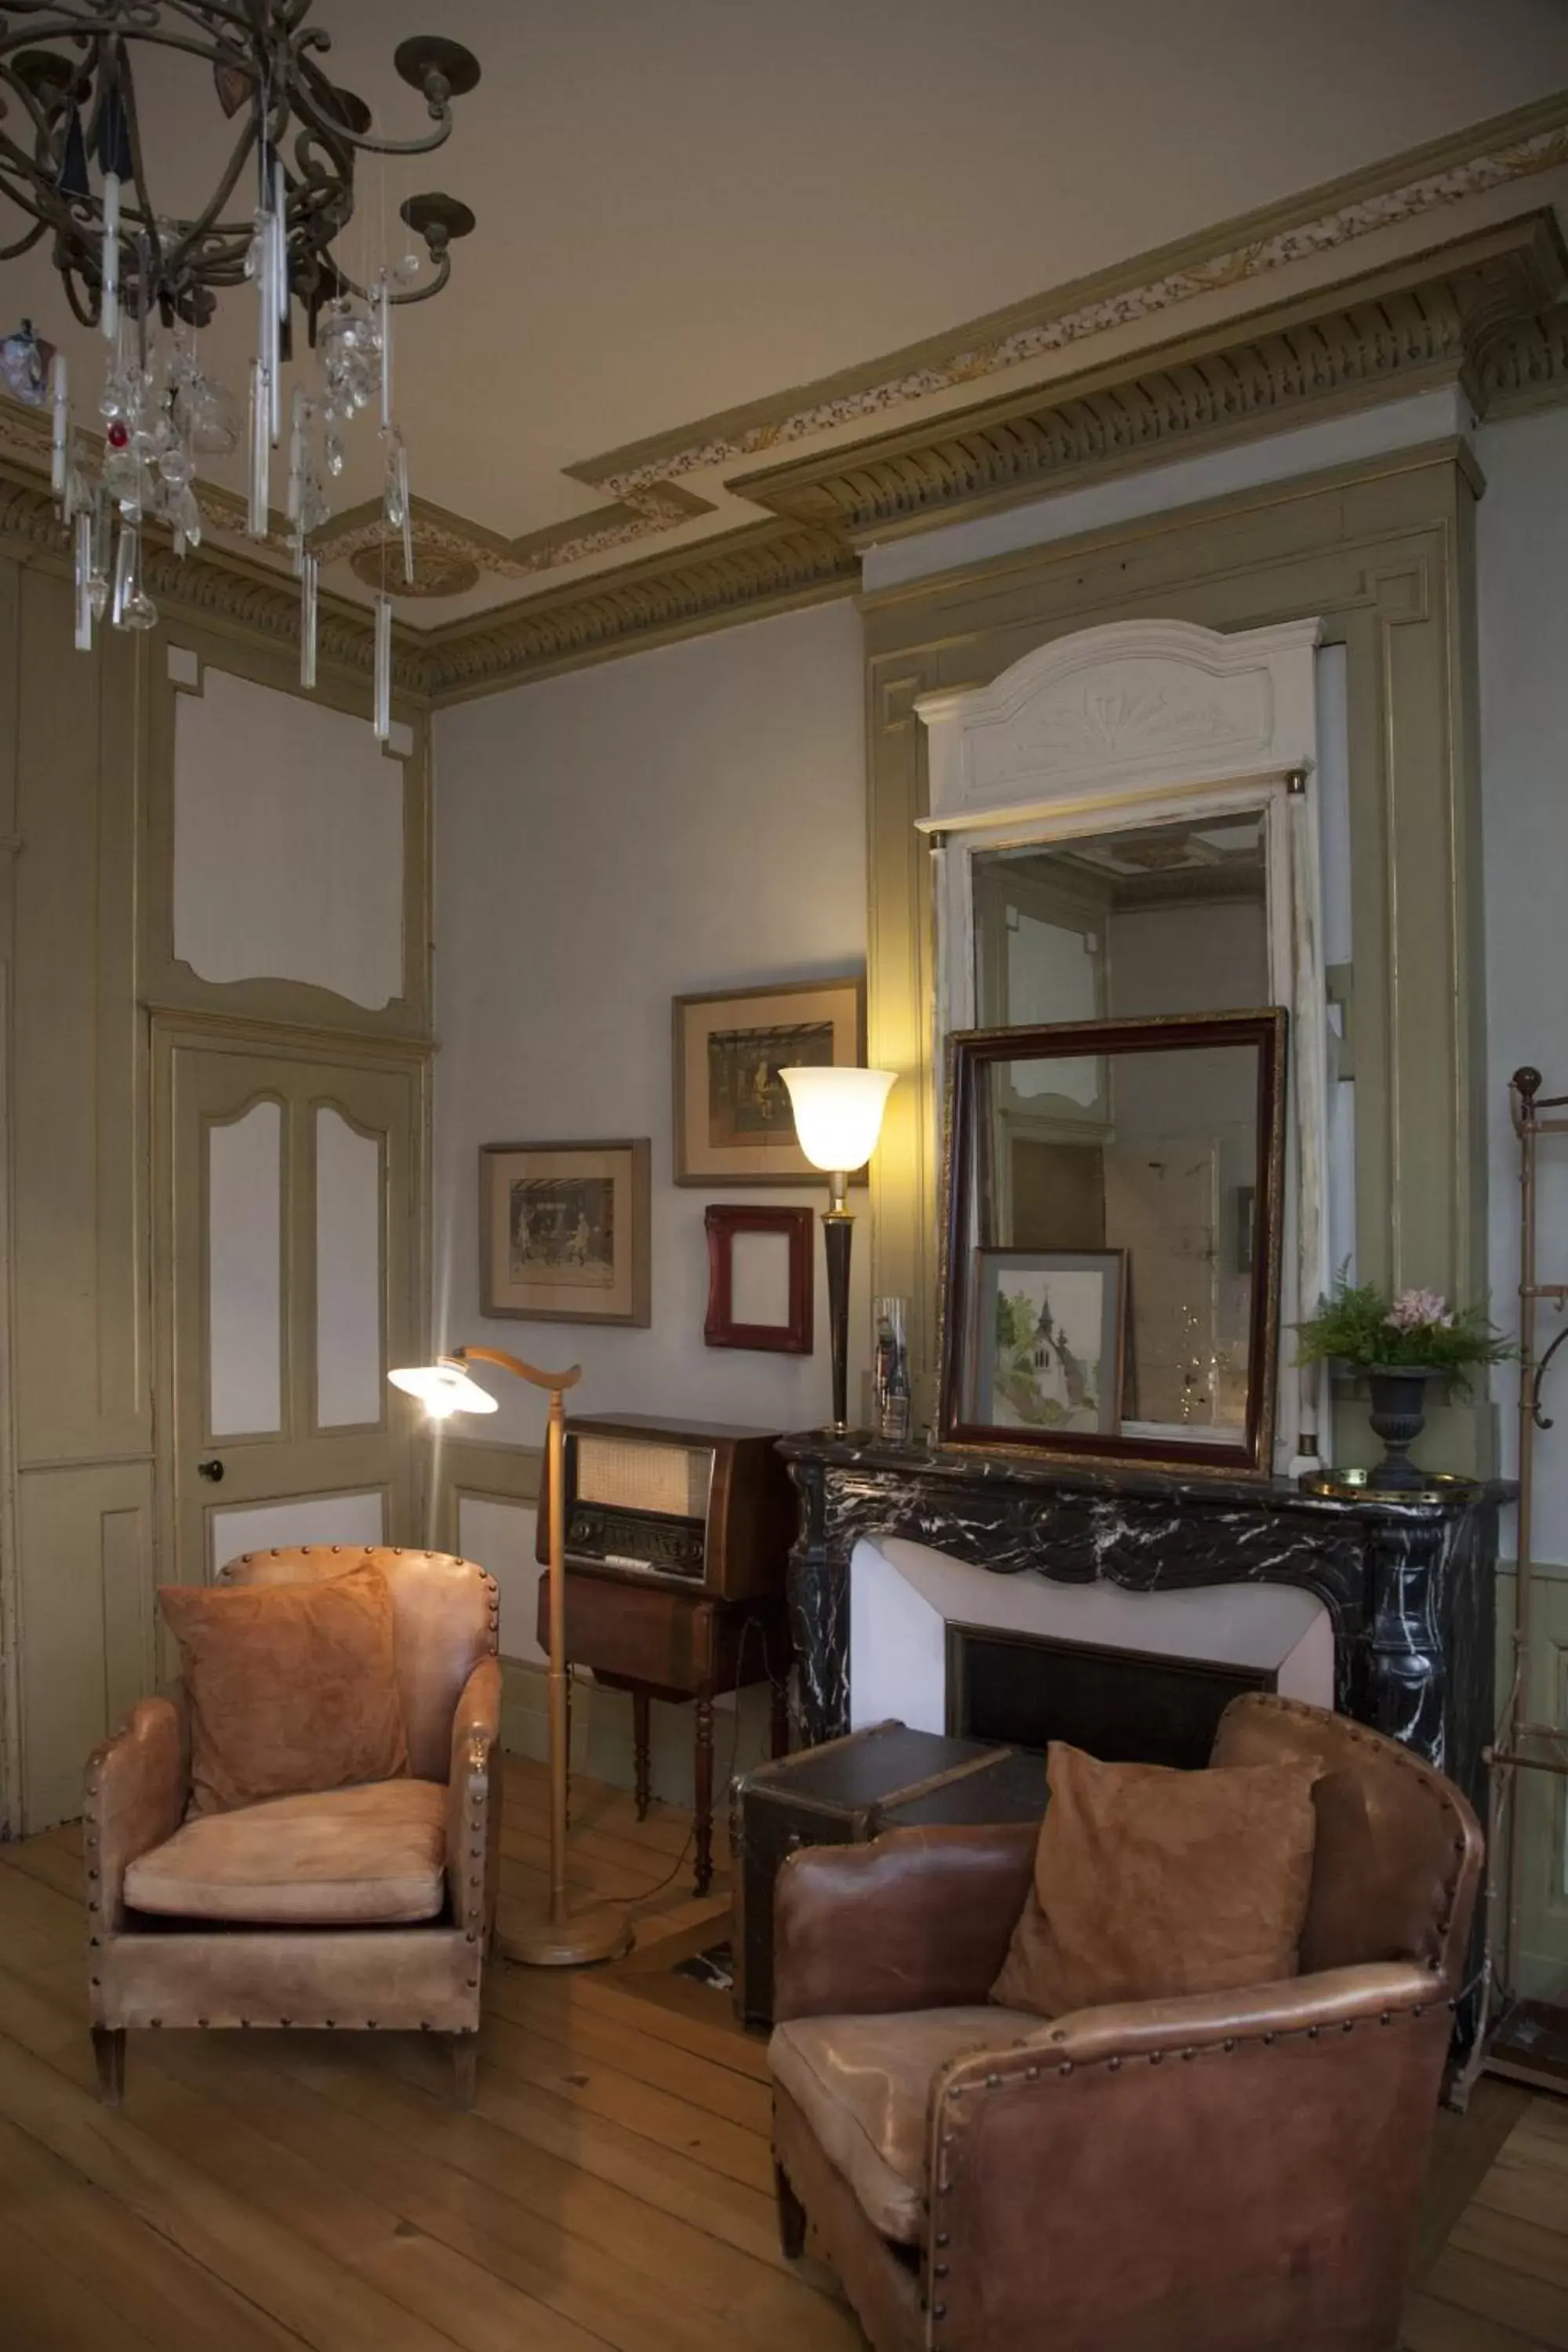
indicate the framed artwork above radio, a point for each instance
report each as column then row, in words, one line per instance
column 758, row 1278
column 733, row 1120
column 564, row 1232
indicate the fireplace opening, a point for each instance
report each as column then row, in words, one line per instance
column 1126, row 1706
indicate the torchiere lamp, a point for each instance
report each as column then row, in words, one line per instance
column 838, row 1118
column 567, row 1939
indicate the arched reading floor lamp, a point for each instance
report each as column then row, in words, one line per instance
column 567, row 1939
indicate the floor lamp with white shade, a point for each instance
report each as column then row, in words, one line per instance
column 565, row 1939
column 837, row 1119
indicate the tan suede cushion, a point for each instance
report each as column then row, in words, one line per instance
column 1150, row 1884
column 864, row 2085
column 346, row 1855
column 292, row 1687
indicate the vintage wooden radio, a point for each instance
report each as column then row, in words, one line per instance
column 698, row 1507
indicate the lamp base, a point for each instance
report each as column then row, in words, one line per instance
column 600, row 1932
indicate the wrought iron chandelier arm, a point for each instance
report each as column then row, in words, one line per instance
column 24, row 244
column 308, row 106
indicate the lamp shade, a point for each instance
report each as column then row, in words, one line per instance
column 837, row 1114
column 442, row 1389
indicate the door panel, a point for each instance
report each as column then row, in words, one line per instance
column 324, row 1518
column 244, row 1217
column 350, row 1341
column 294, row 1268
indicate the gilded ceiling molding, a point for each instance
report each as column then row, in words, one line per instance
column 743, row 575
column 1488, row 155
column 1448, row 317
column 1478, row 312
column 452, row 554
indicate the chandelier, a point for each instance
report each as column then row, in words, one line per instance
column 74, row 161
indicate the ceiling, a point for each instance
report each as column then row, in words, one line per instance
column 692, row 206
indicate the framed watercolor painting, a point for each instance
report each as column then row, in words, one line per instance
column 563, row 1232
column 1046, row 1352
column 733, row 1123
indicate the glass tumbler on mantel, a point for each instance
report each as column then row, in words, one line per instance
column 890, row 1369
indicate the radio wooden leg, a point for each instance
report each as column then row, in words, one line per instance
column 641, row 1750
column 702, row 1792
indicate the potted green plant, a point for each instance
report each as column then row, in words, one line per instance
column 1400, row 1344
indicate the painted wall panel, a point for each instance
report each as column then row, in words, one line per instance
column 79, row 1068
column 287, row 842
column 86, row 1619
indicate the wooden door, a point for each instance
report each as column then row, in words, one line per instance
column 295, row 1278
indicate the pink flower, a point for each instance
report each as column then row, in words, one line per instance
column 1415, row 1311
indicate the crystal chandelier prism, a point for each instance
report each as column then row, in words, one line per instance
column 74, row 161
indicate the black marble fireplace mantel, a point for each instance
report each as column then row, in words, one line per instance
column 1408, row 1585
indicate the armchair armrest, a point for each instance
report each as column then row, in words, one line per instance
column 138, row 1786
column 473, row 1803
column 919, row 1918
column 1269, row 2142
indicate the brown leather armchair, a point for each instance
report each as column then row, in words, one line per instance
column 388, row 1925
column 1221, row 2173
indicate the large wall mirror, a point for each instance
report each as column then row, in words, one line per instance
column 1125, row 837
column 1112, row 1207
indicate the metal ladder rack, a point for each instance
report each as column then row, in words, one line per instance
column 1525, row 2039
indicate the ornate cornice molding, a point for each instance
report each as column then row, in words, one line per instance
column 1337, row 214
column 1448, row 318
column 744, row 575
column 1529, row 367
column 1484, row 312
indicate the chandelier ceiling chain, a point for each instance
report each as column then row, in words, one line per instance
column 73, row 161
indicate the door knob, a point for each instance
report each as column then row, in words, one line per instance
column 212, row 1470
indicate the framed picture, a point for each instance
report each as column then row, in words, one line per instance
column 733, row 1123
column 759, row 1279
column 563, row 1232
column 1048, row 1342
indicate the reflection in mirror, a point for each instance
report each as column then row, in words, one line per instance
column 1113, row 1212
column 1121, row 926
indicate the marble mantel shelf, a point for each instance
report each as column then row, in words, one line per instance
column 1408, row 1585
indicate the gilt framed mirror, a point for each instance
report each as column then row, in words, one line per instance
column 1113, row 1195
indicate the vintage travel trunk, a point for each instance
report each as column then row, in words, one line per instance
column 844, row 1793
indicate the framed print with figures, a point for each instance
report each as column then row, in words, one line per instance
column 563, row 1232
column 733, row 1122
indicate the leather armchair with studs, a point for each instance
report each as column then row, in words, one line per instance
column 1237, row 2171
column 405, row 1924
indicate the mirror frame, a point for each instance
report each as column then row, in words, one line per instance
column 970, row 1051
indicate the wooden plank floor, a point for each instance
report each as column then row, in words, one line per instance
column 612, row 2188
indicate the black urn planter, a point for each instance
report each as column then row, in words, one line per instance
column 1398, row 1415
